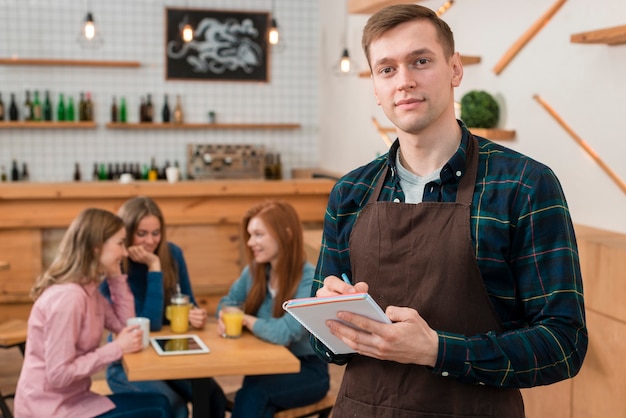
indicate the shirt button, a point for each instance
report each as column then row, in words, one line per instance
column 458, row 173
column 445, row 374
column 396, row 200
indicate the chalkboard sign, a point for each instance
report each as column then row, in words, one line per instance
column 226, row 45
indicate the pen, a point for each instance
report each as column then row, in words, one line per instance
column 344, row 276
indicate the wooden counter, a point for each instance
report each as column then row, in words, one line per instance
column 203, row 219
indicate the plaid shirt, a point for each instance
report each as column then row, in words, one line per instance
column 526, row 251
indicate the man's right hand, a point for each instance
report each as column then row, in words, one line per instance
column 333, row 286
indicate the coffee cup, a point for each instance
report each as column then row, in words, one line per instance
column 144, row 326
column 126, row 178
column 232, row 316
column 172, row 174
column 178, row 313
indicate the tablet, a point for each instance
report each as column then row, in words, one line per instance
column 170, row 345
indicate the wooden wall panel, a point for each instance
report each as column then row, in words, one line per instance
column 553, row 401
column 21, row 248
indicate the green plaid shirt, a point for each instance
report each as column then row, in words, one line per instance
column 526, row 251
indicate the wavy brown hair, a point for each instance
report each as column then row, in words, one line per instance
column 132, row 212
column 390, row 17
column 283, row 224
column 78, row 258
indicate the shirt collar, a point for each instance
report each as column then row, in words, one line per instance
column 454, row 169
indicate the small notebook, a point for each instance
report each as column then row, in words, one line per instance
column 313, row 313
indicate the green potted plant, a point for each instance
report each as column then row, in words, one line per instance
column 479, row 110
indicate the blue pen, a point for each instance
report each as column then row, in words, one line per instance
column 344, row 276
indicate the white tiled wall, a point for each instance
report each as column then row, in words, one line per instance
column 133, row 30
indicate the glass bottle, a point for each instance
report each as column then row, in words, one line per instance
column 77, row 175
column 114, row 110
column 69, row 115
column 60, row 109
column 149, row 109
column 153, row 174
column 88, row 108
column 95, row 174
column 36, row 107
column 165, row 113
column 25, row 174
column 82, row 108
column 28, row 107
column 47, row 107
column 103, row 175
column 178, row 111
column 1, row 108
column 123, row 118
column 13, row 112
column 142, row 109
column 3, row 174
column 15, row 172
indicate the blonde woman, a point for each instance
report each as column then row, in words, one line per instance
column 66, row 324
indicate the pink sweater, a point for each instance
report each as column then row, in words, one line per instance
column 63, row 349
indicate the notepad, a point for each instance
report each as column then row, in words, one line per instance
column 313, row 313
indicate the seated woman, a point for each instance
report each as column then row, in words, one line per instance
column 277, row 270
column 156, row 270
column 66, row 324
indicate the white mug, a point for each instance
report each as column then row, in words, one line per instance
column 172, row 174
column 126, row 178
column 144, row 325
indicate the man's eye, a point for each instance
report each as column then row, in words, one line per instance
column 422, row 61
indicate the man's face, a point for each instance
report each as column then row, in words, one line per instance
column 413, row 79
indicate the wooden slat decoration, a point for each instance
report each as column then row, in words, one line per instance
column 494, row 134
column 47, row 125
column 527, row 36
column 370, row 6
column 611, row 36
column 383, row 132
column 68, row 62
column 620, row 183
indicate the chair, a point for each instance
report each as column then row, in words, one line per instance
column 12, row 333
column 321, row 408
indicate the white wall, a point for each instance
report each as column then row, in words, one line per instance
column 584, row 83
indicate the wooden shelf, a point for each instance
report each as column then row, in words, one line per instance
column 465, row 60
column 609, row 36
column 67, row 62
column 169, row 126
column 370, row 6
column 47, row 125
column 495, row 134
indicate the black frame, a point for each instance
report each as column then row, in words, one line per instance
column 227, row 45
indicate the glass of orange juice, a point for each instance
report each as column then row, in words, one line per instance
column 232, row 315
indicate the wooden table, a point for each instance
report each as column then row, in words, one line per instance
column 247, row 355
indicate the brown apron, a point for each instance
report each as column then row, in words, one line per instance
column 421, row 256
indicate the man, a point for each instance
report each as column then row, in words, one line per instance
column 468, row 245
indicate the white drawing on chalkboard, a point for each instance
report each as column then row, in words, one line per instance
column 220, row 47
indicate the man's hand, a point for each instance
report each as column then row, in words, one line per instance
column 333, row 286
column 408, row 339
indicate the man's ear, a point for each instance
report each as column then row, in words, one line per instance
column 457, row 69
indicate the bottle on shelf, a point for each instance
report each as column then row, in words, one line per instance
column 82, row 108
column 47, row 107
column 88, row 108
column 60, row 109
column 145, row 172
column 114, row 110
column 70, row 114
column 1, row 108
column 180, row 172
column 3, row 174
column 13, row 112
column 123, row 117
column 77, row 174
column 165, row 113
column 178, row 111
column 163, row 173
column 28, row 107
column 110, row 172
column 95, row 174
column 25, row 175
column 15, row 172
column 153, row 174
column 149, row 109
column 36, row 107
column 142, row 109
column 103, row 175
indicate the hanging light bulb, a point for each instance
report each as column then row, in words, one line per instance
column 187, row 33
column 344, row 64
column 89, row 36
column 273, row 35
